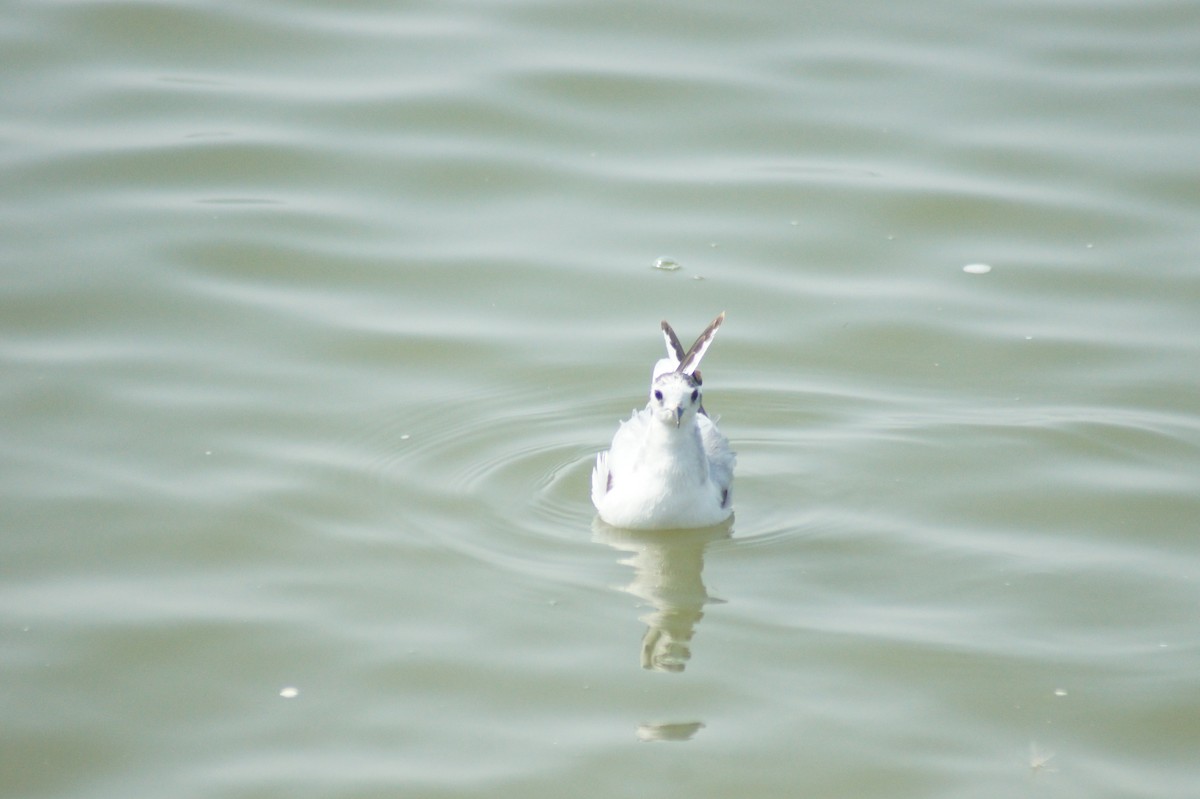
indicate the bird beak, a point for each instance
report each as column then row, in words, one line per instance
column 678, row 415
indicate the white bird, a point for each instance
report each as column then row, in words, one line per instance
column 669, row 466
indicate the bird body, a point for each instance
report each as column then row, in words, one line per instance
column 668, row 466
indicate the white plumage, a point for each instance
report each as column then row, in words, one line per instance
column 669, row 466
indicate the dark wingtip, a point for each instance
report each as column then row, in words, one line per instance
column 702, row 343
column 673, row 341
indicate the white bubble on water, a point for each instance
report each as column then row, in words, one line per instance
column 1039, row 759
column 977, row 269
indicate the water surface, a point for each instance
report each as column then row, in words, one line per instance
column 315, row 317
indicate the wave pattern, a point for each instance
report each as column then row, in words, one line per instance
column 315, row 316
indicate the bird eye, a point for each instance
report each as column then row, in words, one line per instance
column 695, row 394
column 658, row 395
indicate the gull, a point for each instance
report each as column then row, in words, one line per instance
column 669, row 467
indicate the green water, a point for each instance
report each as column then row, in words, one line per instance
column 315, row 317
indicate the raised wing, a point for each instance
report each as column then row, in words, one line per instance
column 691, row 360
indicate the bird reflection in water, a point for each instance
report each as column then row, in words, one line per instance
column 667, row 567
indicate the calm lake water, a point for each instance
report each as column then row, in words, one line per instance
column 315, row 316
